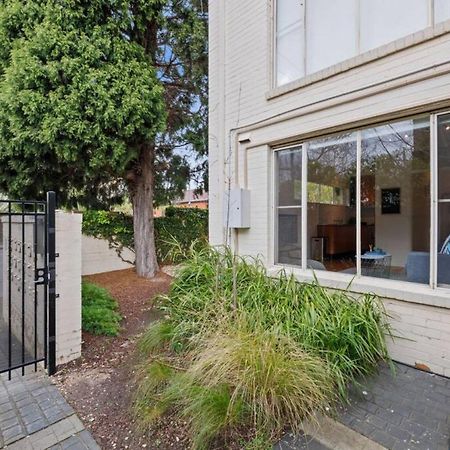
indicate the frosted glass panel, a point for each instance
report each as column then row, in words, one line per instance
column 290, row 41
column 384, row 21
column 331, row 30
column 289, row 12
column 441, row 10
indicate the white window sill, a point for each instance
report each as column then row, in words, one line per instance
column 392, row 289
column 363, row 58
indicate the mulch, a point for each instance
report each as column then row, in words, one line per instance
column 101, row 383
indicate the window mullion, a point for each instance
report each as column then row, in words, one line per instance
column 430, row 13
column 434, row 200
column 304, row 205
column 358, row 203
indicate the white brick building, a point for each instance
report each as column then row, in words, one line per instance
column 335, row 115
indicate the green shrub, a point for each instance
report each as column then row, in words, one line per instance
column 349, row 334
column 176, row 234
column 179, row 232
column 283, row 350
column 99, row 311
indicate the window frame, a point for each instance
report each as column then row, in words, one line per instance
column 434, row 202
column 431, row 23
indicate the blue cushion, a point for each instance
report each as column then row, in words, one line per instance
column 418, row 268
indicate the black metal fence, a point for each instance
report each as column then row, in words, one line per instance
column 27, row 284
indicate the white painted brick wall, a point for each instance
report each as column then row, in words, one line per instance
column 68, row 286
column 423, row 335
column 98, row 257
column 414, row 79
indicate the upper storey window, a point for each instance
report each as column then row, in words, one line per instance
column 315, row 34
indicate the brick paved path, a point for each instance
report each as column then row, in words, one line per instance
column 410, row 410
column 406, row 411
column 34, row 415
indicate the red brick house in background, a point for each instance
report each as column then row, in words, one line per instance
column 192, row 199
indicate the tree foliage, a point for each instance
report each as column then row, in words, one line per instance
column 95, row 98
column 84, row 84
column 77, row 99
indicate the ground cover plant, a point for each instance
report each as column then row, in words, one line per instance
column 238, row 348
column 99, row 311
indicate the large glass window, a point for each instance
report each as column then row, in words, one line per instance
column 289, row 206
column 441, row 10
column 330, row 33
column 384, row 21
column 368, row 202
column 443, row 238
column 289, row 41
column 340, row 29
column 395, row 201
column 331, row 203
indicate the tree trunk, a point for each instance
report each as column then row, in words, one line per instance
column 143, row 223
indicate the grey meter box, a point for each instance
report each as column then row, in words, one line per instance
column 236, row 210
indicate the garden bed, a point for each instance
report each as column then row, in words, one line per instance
column 235, row 358
column 100, row 385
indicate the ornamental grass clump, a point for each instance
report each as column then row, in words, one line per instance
column 283, row 351
column 266, row 371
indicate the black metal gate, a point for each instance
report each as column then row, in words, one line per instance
column 27, row 284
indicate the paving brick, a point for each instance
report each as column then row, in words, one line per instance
column 37, row 425
column 35, row 416
column 399, row 433
column 383, row 438
column 377, row 421
column 411, row 403
column 73, row 442
column 88, row 440
column 8, row 423
column 12, row 434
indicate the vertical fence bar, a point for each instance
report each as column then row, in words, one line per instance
column 23, row 288
column 9, row 289
column 35, row 249
column 51, row 242
column 45, row 285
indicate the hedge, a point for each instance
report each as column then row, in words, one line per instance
column 183, row 226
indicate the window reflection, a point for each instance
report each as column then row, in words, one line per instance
column 395, row 201
column 289, row 224
column 331, row 203
column 443, row 238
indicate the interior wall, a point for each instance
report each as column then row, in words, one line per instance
column 323, row 214
column 393, row 232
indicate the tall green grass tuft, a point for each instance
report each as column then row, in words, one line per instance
column 282, row 350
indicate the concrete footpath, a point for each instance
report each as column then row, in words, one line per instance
column 34, row 415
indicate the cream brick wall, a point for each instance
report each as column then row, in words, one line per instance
column 247, row 118
column 423, row 335
column 68, row 286
column 98, row 257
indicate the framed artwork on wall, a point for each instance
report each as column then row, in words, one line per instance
column 390, row 201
